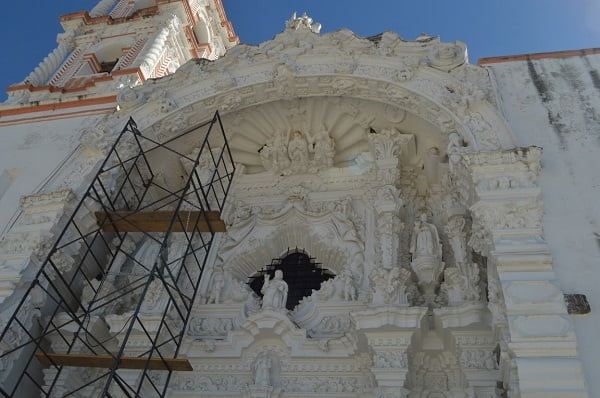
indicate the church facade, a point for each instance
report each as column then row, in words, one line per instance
column 400, row 223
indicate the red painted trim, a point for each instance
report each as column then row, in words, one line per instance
column 57, row 106
column 225, row 22
column 533, row 56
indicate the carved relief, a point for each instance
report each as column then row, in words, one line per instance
column 329, row 326
column 209, row 327
column 390, row 286
column 446, row 56
column 481, row 359
column 390, row 359
column 291, row 153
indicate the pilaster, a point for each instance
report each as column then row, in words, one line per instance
column 507, row 215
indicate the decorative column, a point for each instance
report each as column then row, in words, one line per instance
column 539, row 357
column 386, row 148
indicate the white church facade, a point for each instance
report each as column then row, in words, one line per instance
column 320, row 215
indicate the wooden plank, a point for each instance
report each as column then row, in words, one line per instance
column 106, row 361
column 158, row 221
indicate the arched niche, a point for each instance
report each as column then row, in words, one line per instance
column 302, row 273
column 254, row 242
column 346, row 121
column 201, row 32
column 282, row 70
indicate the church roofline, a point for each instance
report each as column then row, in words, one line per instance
column 532, row 56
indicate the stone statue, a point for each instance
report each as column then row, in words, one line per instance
column 425, row 240
column 216, row 288
column 262, row 371
column 298, row 151
column 323, row 149
column 274, row 291
column 426, row 251
column 454, row 150
column 348, row 287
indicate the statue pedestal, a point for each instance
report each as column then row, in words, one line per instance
column 428, row 270
column 389, row 332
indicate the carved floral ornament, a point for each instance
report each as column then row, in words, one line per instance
column 324, row 234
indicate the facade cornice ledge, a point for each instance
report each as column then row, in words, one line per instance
column 400, row 317
column 84, row 17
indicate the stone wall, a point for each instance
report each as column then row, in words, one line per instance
column 554, row 103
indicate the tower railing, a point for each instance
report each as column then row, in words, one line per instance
column 107, row 311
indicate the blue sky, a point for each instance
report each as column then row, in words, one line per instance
column 488, row 27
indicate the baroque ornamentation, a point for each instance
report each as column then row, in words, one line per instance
column 426, row 250
column 274, row 291
column 390, row 286
column 336, row 325
column 296, row 152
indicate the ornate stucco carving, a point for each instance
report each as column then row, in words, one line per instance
column 392, row 74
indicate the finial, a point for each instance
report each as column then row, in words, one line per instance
column 303, row 22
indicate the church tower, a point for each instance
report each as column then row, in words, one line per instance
column 120, row 43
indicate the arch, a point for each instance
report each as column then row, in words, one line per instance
column 109, row 55
column 280, row 70
column 303, row 274
column 201, row 31
column 254, row 242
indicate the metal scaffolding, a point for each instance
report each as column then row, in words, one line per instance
column 107, row 311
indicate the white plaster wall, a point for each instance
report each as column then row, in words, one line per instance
column 554, row 103
column 30, row 154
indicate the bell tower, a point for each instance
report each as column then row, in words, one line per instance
column 121, row 43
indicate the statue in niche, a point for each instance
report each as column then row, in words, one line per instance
column 323, row 148
column 274, row 291
column 348, row 287
column 425, row 240
column 426, row 251
column 280, row 153
column 262, row 370
column 298, row 151
column 216, row 288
